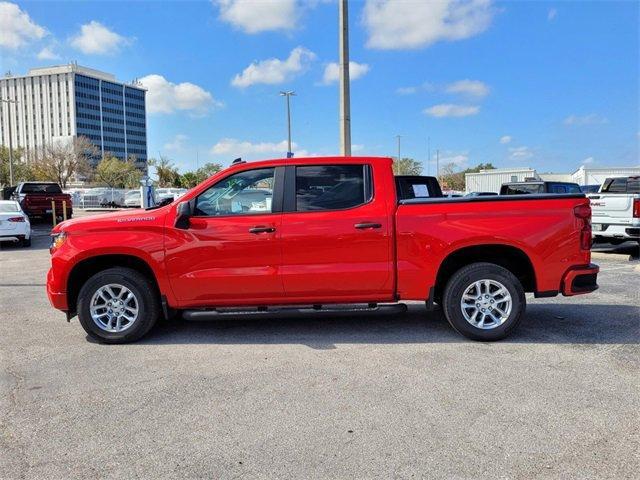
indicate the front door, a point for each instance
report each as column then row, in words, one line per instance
column 336, row 235
column 231, row 252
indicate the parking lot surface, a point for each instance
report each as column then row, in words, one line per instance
column 347, row 397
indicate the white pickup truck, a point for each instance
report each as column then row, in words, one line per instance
column 616, row 210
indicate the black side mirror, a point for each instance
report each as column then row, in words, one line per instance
column 183, row 213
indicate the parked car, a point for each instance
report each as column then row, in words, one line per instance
column 102, row 197
column 538, row 186
column 480, row 194
column 36, row 199
column 14, row 223
column 589, row 188
column 616, row 210
column 133, row 198
column 162, row 194
column 332, row 231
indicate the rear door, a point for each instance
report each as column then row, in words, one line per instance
column 336, row 235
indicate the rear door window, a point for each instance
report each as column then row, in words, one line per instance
column 332, row 187
column 616, row 185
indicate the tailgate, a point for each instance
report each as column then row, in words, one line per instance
column 39, row 201
column 611, row 206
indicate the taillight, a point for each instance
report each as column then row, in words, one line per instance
column 583, row 214
column 16, row 219
column 636, row 208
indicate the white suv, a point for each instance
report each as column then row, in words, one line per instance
column 616, row 210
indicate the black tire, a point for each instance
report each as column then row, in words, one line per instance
column 463, row 279
column 146, row 295
column 26, row 242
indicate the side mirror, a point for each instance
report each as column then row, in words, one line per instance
column 183, row 213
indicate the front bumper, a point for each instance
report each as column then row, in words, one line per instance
column 581, row 279
column 57, row 299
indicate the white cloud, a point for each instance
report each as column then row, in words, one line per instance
column 406, row 90
column 458, row 159
column 588, row 160
column 177, row 144
column 357, row 147
column 590, row 119
column 505, row 139
column 253, row 16
column 234, row 147
column 332, row 72
column 95, row 38
column 553, row 13
column 164, row 96
column 16, row 27
column 273, row 70
column 393, row 24
column 472, row 88
column 47, row 53
column 451, row 110
column 520, row 153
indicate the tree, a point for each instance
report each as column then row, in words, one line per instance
column 407, row 166
column 450, row 179
column 62, row 161
column 21, row 170
column 166, row 171
column 116, row 173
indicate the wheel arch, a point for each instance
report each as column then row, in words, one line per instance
column 86, row 268
column 512, row 258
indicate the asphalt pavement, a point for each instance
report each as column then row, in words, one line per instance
column 384, row 396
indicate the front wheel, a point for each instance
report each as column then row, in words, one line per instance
column 484, row 301
column 118, row 305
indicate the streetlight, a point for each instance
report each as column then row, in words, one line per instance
column 288, row 95
column 398, row 137
column 5, row 100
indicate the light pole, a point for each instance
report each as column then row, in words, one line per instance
column 345, row 96
column 398, row 137
column 287, row 95
column 4, row 100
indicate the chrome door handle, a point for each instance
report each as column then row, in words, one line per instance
column 261, row 229
column 363, row 226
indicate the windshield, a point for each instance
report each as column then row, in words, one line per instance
column 41, row 188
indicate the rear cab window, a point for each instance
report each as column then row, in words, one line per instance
column 522, row 189
column 332, row 187
column 33, row 187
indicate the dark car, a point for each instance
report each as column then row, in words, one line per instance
column 538, row 186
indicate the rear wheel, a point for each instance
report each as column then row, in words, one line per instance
column 26, row 242
column 118, row 305
column 484, row 301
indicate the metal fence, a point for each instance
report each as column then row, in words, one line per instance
column 104, row 197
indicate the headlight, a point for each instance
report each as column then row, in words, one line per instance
column 57, row 240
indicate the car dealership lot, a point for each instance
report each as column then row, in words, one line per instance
column 351, row 396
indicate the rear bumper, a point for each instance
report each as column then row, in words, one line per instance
column 625, row 231
column 581, row 279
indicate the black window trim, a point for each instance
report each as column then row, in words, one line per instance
column 277, row 196
column 290, row 204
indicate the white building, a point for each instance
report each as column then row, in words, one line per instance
column 56, row 104
column 492, row 180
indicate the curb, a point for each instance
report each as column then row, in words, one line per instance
column 612, row 256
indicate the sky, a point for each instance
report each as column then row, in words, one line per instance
column 550, row 85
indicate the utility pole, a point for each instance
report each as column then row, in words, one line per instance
column 345, row 96
column 428, row 154
column 9, row 102
column 438, row 165
column 399, row 137
column 287, row 95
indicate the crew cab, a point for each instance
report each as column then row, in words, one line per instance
column 538, row 186
column 319, row 233
column 616, row 210
column 36, row 199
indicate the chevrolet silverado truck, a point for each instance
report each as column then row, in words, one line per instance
column 37, row 199
column 320, row 234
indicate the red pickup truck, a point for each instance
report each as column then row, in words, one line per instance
column 37, row 199
column 323, row 233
